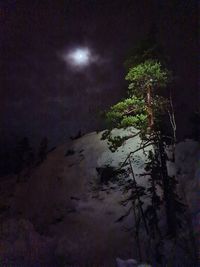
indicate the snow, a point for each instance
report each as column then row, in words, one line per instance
column 58, row 200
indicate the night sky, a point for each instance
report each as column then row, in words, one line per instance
column 42, row 95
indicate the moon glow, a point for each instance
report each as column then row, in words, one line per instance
column 79, row 57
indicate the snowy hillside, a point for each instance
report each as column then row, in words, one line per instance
column 64, row 213
column 59, row 200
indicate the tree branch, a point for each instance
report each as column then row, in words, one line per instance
column 132, row 152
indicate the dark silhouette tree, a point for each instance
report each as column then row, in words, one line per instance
column 23, row 156
column 43, row 149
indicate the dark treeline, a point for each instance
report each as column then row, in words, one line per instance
column 22, row 155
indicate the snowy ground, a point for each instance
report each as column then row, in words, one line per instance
column 55, row 216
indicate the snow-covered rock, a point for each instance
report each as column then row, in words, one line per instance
column 130, row 263
column 188, row 172
column 60, row 199
column 65, row 207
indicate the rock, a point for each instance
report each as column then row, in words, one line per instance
column 70, row 204
column 21, row 245
column 126, row 263
column 130, row 263
column 83, row 226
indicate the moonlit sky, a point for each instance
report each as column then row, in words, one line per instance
column 62, row 61
column 78, row 57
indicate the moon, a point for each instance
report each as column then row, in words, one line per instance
column 79, row 57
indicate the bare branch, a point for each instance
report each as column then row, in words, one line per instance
column 172, row 117
column 138, row 149
column 124, row 216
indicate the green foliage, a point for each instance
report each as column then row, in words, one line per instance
column 129, row 112
column 148, row 73
column 144, row 110
column 114, row 142
column 139, row 121
column 133, row 111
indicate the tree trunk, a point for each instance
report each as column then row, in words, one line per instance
column 149, row 108
column 169, row 205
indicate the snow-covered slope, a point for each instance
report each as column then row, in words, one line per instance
column 59, row 214
column 188, row 173
column 60, row 201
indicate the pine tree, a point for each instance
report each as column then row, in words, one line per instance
column 144, row 109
